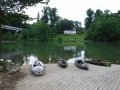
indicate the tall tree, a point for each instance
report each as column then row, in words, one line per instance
column 77, row 25
column 64, row 24
column 53, row 17
column 45, row 16
column 38, row 17
column 105, row 29
column 118, row 13
column 107, row 12
column 50, row 16
column 89, row 19
column 98, row 13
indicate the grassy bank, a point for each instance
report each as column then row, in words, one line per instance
column 72, row 39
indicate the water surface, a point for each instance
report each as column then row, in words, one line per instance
column 51, row 52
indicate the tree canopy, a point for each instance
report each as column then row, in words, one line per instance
column 105, row 28
column 64, row 24
column 16, row 5
column 89, row 19
column 38, row 31
column 7, row 7
column 50, row 16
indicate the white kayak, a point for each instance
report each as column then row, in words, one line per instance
column 38, row 68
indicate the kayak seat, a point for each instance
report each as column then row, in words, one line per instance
column 79, row 61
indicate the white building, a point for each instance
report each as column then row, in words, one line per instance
column 70, row 32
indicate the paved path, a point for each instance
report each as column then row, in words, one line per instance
column 72, row 78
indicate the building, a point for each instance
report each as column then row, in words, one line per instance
column 70, row 32
column 6, row 27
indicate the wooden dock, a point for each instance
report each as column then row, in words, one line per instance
column 72, row 78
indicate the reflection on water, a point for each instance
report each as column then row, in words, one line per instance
column 31, row 59
column 15, row 56
column 50, row 53
column 80, row 56
column 104, row 51
column 71, row 60
column 70, row 48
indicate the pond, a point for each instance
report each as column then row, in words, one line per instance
column 51, row 52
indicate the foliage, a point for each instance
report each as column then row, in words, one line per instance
column 70, row 38
column 64, row 24
column 89, row 19
column 97, row 14
column 77, row 26
column 105, row 28
column 38, row 17
column 9, row 36
column 50, row 16
column 44, row 32
column 15, row 19
column 39, row 31
column 53, row 17
column 16, row 5
column 45, row 17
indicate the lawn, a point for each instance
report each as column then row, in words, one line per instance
column 76, row 39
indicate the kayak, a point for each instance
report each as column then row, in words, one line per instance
column 99, row 62
column 38, row 68
column 80, row 64
column 62, row 63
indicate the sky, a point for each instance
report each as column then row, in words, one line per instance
column 75, row 9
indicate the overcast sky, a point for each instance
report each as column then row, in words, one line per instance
column 76, row 9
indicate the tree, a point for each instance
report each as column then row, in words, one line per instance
column 45, row 16
column 50, row 16
column 15, row 19
column 106, row 12
column 14, row 6
column 105, row 29
column 53, row 17
column 64, row 24
column 89, row 19
column 45, row 33
column 77, row 24
column 97, row 14
column 118, row 13
column 38, row 17
column 38, row 31
column 78, row 27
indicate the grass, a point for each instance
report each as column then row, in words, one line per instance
column 70, row 39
